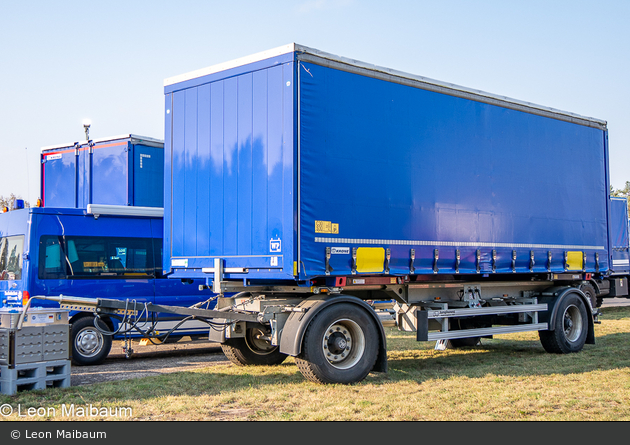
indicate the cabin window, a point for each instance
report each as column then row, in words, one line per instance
column 64, row 257
column 11, row 252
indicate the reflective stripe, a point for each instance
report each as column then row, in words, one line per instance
column 451, row 243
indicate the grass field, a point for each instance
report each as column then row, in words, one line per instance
column 508, row 378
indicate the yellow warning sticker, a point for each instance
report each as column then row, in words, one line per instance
column 326, row 227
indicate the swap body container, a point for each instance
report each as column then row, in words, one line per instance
column 120, row 170
column 620, row 251
column 295, row 164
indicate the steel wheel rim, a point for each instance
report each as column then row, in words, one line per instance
column 343, row 344
column 256, row 344
column 573, row 323
column 89, row 342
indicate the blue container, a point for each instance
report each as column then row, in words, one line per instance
column 620, row 252
column 294, row 164
column 122, row 170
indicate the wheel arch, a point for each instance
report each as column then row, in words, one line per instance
column 295, row 326
column 595, row 285
column 108, row 321
column 553, row 301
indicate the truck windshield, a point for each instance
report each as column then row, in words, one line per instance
column 11, row 250
column 95, row 256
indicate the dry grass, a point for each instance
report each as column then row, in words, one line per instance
column 506, row 378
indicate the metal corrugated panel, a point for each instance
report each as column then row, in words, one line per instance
column 230, row 174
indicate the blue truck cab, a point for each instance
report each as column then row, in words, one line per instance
column 98, row 252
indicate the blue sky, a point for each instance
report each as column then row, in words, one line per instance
column 64, row 61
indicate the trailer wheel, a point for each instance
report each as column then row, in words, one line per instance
column 340, row 345
column 89, row 345
column 571, row 327
column 588, row 290
column 469, row 342
column 465, row 342
column 252, row 350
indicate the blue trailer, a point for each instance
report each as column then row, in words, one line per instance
column 102, row 252
column 313, row 184
column 301, row 187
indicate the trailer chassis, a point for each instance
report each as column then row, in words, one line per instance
column 336, row 336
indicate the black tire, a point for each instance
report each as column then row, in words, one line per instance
column 252, row 350
column 588, row 290
column 465, row 342
column 340, row 345
column 89, row 346
column 571, row 327
column 457, row 324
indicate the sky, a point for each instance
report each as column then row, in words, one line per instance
column 65, row 61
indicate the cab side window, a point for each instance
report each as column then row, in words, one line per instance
column 51, row 259
column 95, row 257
